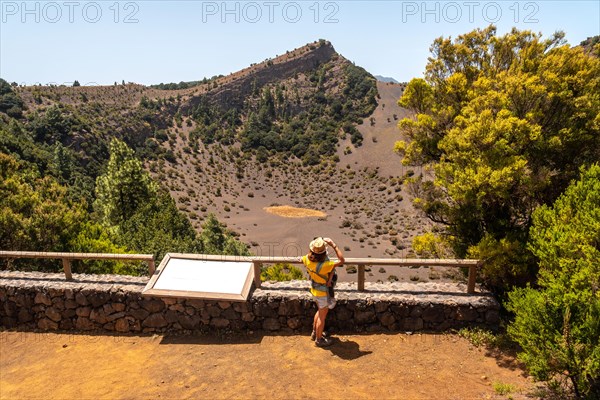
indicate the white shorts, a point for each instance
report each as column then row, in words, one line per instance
column 324, row 301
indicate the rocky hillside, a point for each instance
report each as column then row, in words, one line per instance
column 306, row 129
column 232, row 91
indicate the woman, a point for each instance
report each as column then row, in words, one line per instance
column 321, row 271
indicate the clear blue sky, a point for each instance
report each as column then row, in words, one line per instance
column 100, row 42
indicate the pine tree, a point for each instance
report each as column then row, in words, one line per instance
column 217, row 240
column 125, row 186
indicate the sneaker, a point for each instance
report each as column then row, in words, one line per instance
column 313, row 335
column 323, row 342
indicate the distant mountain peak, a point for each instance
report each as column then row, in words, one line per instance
column 385, row 79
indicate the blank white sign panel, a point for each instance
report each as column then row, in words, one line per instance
column 181, row 277
column 203, row 276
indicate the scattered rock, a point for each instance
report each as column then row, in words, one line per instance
column 271, row 324
column 213, row 311
column 219, row 323
column 387, row 319
column 294, row 323
column 196, row 303
column 155, row 321
column 53, row 314
column 381, row 307
column 97, row 315
column 492, row 317
column 412, row 324
column 433, row 314
column 83, row 311
column 179, row 308
column 139, row 314
column 108, row 309
column 84, row 324
column 230, row 314
column 98, row 299
column 169, row 301
column 241, row 307
column 189, row 322
column 248, row 317
column 466, row 314
column 42, row 298
column 152, row 305
column 115, row 316
column 224, row 304
column 171, row 316
column 24, row 315
column 122, row 325
column 47, row 324
column 70, row 304
column 342, row 313
column 81, row 299
column 364, row 317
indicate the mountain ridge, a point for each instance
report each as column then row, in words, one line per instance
column 232, row 89
column 385, row 79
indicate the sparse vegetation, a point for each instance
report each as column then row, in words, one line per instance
column 503, row 389
column 281, row 272
column 479, row 337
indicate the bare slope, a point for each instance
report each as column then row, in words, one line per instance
column 367, row 208
column 368, row 212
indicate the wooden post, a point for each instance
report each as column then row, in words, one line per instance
column 67, row 269
column 361, row 278
column 472, row 276
column 151, row 267
column 257, row 280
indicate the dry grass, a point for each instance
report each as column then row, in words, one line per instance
column 294, row 212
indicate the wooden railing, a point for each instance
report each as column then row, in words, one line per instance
column 472, row 265
column 257, row 261
column 401, row 262
column 68, row 257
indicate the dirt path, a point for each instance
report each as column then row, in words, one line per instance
column 399, row 366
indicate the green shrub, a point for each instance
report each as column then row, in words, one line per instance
column 478, row 337
column 281, row 272
column 503, row 388
column 558, row 325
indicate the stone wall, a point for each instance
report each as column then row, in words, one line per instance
column 114, row 303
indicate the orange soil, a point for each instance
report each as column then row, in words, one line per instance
column 294, row 212
column 376, row 366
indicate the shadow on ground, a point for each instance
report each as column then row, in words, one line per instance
column 347, row 349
